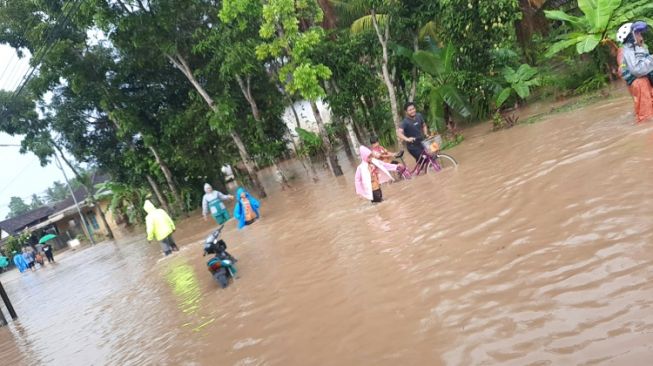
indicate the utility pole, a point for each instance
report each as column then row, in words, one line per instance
column 81, row 216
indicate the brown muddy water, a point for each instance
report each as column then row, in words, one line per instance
column 537, row 250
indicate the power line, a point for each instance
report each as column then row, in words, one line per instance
column 11, row 76
column 16, row 177
column 49, row 44
column 18, row 76
column 13, row 56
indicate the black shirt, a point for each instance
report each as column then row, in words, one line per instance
column 414, row 127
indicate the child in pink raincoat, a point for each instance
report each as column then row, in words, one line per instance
column 370, row 174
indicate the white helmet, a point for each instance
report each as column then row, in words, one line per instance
column 624, row 31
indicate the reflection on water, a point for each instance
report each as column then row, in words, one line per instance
column 185, row 287
column 535, row 251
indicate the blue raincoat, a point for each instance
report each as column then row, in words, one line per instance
column 20, row 262
column 239, row 210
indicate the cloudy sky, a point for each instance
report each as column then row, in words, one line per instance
column 21, row 174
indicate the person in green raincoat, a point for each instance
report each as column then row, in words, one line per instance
column 212, row 202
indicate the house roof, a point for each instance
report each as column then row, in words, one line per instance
column 18, row 223
column 33, row 217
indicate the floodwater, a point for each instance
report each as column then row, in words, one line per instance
column 535, row 251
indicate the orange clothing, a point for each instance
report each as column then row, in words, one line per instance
column 642, row 92
column 381, row 153
column 249, row 213
column 375, row 177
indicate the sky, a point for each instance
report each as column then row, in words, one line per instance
column 21, row 175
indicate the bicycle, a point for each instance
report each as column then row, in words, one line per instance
column 431, row 157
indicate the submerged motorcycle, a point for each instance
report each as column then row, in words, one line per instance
column 222, row 265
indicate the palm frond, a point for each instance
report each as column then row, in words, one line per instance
column 364, row 24
column 429, row 30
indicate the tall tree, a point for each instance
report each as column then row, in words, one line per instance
column 36, row 201
column 165, row 28
column 57, row 192
column 291, row 33
column 17, row 207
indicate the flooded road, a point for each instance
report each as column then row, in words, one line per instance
column 535, row 251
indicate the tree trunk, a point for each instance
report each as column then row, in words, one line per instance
column 532, row 21
column 182, row 65
column 330, row 20
column 349, row 135
column 247, row 93
column 332, row 159
column 413, row 86
column 157, row 192
column 245, row 87
column 158, row 160
column 384, row 37
column 355, row 143
column 244, row 156
column 288, row 97
column 294, row 112
column 168, row 175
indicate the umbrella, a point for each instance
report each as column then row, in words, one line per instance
column 46, row 238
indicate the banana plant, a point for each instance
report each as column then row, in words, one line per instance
column 444, row 96
column 597, row 25
column 126, row 201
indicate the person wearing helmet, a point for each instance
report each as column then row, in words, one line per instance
column 636, row 66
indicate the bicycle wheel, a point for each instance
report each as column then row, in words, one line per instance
column 446, row 161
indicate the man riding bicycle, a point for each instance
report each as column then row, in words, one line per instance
column 413, row 130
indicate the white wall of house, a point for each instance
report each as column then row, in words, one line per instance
column 306, row 117
column 3, row 234
column 307, row 120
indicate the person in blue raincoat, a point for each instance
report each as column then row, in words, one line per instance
column 20, row 262
column 246, row 209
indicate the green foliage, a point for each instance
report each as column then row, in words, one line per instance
column 126, row 201
column 519, row 82
column 596, row 82
column 17, row 207
column 477, row 29
column 310, row 143
column 15, row 243
column 57, row 192
column 284, row 39
column 442, row 93
column 597, row 25
column 36, row 202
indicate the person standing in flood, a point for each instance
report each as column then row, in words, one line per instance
column 213, row 202
column 20, row 262
column 370, row 174
column 29, row 259
column 413, row 130
column 246, row 210
column 636, row 67
column 159, row 226
column 47, row 250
